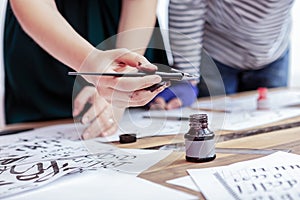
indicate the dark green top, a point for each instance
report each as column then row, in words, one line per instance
column 37, row 86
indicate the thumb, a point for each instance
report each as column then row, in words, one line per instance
column 133, row 59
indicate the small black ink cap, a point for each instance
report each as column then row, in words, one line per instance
column 127, row 138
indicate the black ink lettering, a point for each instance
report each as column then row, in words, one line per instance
column 239, row 189
column 288, row 167
column 3, row 182
column 105, row 156
column 34, row 147
column 22, row 176
column 280, row 168
column 291, row 183
column 286, row 197
column 260, row 176
column 7, row 161
column 258, row 198
column 54, row 166
column 266, row 186
column 126, row 157
column 3, row 169
column 277, row 175
column 259, row 170
column 246, row 178
column 253, row 186
column 66, row 168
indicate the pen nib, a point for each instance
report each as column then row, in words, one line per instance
column 185, row 75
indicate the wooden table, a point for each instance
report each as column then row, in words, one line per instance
column 175, row 166
column 272, row 136
column 279, row 135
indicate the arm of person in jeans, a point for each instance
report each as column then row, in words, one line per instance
column 136, row 25
column 186, row 26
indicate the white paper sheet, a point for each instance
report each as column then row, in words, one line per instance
column 276, row 178
column 105, row 185
column 271, row 177
column 243, row 115
column 249, row 119
column 134, row 122
column 185, row 181
column 277, row 99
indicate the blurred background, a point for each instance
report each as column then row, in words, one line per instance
column 294, row 80
column 295, row 47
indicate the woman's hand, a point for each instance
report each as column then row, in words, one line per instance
column 121, row 91
column 101, row 116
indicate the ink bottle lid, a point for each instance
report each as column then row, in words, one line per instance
column 199, row 140
column 127, row 138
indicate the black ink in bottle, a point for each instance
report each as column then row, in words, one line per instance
column 199, row 140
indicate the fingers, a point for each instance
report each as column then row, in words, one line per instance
column 128, row 84
column 99, row 105
column 142, row 97
column 84, row 96
column 102, row 126
column 158, row 103
column 133, row 59
column 130, row 99
column 105, row 124
column 99, row 116
column 173, row 104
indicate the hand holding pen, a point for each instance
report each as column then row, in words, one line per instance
column 173, row 74
column 121, row 91
column 131, row 80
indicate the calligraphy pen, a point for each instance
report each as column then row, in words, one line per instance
column 172, row 74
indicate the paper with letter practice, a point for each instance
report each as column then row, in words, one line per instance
column 34, row 158
column 276, row 176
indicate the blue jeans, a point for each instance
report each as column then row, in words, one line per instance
column 272, row 75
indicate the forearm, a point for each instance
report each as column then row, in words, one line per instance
column 186, row 25
column 41, row 20
column 136, row 25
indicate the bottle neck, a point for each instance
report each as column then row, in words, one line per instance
column 198, row 125
column 198, row 121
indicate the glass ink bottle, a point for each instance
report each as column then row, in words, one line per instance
column 199, row 140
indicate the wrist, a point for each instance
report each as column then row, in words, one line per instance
column 92, row 63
